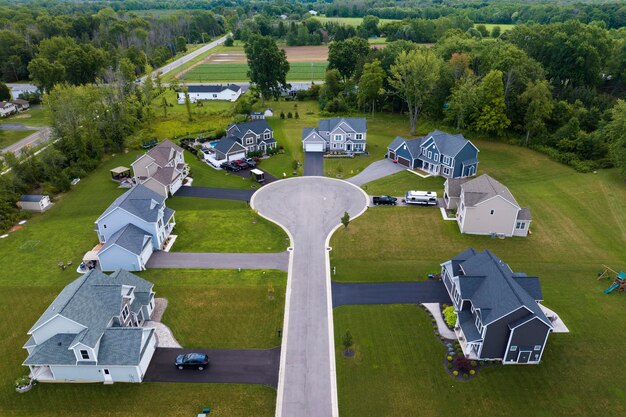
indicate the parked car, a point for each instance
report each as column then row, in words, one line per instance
column 197, row 361
column 241, row 164
column 229, row 166
column 385, row 200
column 250, row 162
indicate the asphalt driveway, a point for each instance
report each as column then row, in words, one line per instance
column 313, row 164
column 206, row 260
column 376, row 170
column 220, row 193
column 389, row 293
column 227, row 366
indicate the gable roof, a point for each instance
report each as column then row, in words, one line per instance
column 454, row 186
column 139, row 201
column 446, row 143
column 4, row 104
column 483, row 188
column 166, row 175
column 212, row 88
column 32, row 198
column 258, row 126
column 226, row 144
column 164, row 152
column 359, row 124
column 129, row 237
column 523, row 214
column 412, row 145
column 493, row 288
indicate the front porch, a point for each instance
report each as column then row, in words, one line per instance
column 470, row 349
column 41, row 373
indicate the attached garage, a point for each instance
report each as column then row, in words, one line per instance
column 235, row 156
column 392, row 155
column 229, row 149
column 313, row 147
column 403, row 161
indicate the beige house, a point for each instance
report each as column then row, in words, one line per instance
column 162, row 169
column 485, row 207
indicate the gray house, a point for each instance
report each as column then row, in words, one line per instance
column 252, row 136
column 34, row 202
column 132, row 227
column 339, row 134
column 498, row 312
column 92, row 331
column 438, row 153
column 485, row 207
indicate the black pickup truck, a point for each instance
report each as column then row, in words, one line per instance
column 385, row 200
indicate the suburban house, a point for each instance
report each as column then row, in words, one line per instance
column 20, row 104
column 7, row 108
column 92, row 331
column 257, row 115
column 498, row 311
column 485, row 207
column 34, row 202
column 438, row 153
column 339, row 134
column 241, row 138
column 230, row 92
column 162, row 168
column 132, row 227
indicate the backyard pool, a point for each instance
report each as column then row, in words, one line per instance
column 214, row 143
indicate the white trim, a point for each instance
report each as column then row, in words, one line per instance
column 495, row 196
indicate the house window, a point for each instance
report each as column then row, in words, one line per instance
column 338, row 137
column 520, row 225
column 249, row 141
column 423, row 151
column 267, row 135
column 125, row 313
column 437, row 157
column 513, row 348
column 84, row 354
column 446, row 171
column 430, row 155
column 491, row 212
column 160, row 222
column 104, row 225
column 462, row 206
column 358, row 147
column 445, row 159
column 359, row 136
column 214, row 95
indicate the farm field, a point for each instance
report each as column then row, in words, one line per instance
column 503, row 26
column 398, row 366
column 30, row 279
column 351, row 21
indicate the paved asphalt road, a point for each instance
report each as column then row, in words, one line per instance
column 207, row 260
column 389, row 293
column 38, row 137
column 221, row 193
column 314, row 164
column 376, row 170
column 310, row 208
column 227, row 366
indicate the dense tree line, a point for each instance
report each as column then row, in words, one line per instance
column 52, row 46
column 552, row 87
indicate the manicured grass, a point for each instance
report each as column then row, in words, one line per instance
column 9, row 137
column 398, row 184
column 211, row 225
column 35, row 116
column 205, row 176
column 299, row 71
column 222, row 309
column 30, row 279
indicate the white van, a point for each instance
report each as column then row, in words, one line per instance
column 428, row 198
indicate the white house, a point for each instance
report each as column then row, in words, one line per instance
column 312, row 12
column 162, row 168
column 92, row 331
column 7, row 108
column 21, row 104
column 132, row 227
column 34, row 202
column 339, row 134
column 230, row 92
column 485, row 207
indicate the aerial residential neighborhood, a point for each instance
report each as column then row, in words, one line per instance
column 313, row 209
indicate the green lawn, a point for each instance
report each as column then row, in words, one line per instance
column 35, row 116
column 398, row 184
column 171, row 76
column 210, row 225
column 234, row 309
column 503, row 26
column 299, row 71
column 579, row 223
column 30, row 279
column 9, row 137
column 205, row 176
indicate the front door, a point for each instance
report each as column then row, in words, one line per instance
column 523, row 357
column 348, row 146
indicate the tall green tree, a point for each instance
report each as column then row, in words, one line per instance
column 413, row 77
column 45, row 74
column 5, row 92
column 463, row 102
column 371, row 84
column 492, row 114
column 268, row 66
column 345, row 56
column 616, row 133
column 539, row 105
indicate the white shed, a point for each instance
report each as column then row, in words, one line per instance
column 34, row 202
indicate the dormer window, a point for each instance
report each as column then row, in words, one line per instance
column 84, row 354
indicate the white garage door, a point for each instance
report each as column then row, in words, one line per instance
column 236, row 156
column 314, row 147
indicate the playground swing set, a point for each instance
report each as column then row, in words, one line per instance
column 619, row 283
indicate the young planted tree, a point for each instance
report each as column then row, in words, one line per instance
column 347, row 342
column 539, row 105
column 164, row 105
column 187, row 103
column 268, row 66
column 371, row 84
column 345, row 219
column 413, row 77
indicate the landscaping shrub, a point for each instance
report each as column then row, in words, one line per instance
column 462, row 363
column 289, row 115
column 450, row 316
column 455, row 373
column 449, row 366
column 449, row 358
column 472, row 372
column 282, row 115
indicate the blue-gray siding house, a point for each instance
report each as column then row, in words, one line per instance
column 339, row 134
column 438, row 153
column 498, row 311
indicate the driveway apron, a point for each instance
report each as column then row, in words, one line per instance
column 375, row 171
column 313, row 164
column 389, row 293
column 309, row 208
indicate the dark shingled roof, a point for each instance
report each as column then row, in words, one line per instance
column 129, row 237
column 140, row 201
column 446, row 143
column 257, row 126
column 483, row 188
column 212, row 88
column 358, row 124
column 31, row 198
column 227, row 143
column 454, row 186
column 524, row 214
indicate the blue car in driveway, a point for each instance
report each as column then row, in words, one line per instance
column 197, row 361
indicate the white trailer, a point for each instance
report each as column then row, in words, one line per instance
column 428, row 198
